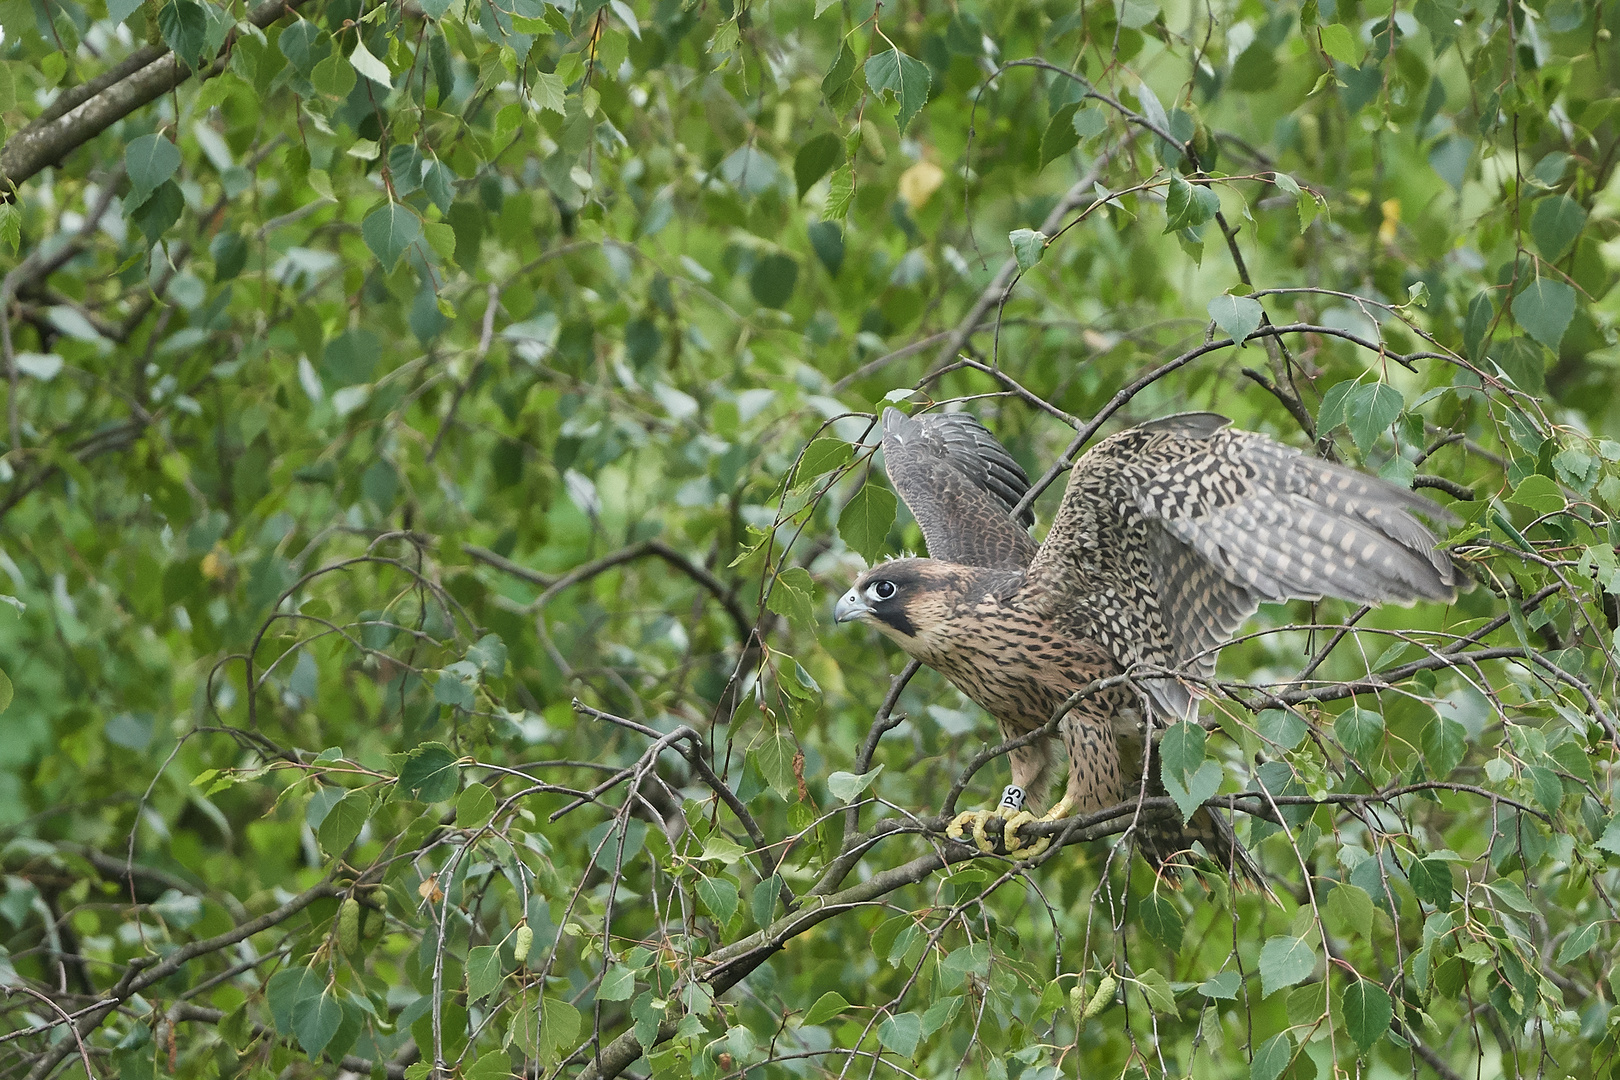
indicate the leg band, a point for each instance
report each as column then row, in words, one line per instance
column 1012, row 797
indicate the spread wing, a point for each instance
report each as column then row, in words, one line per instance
column 1170, row 535
column 1283, row 525
column 961, row 485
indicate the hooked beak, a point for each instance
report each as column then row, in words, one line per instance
column 850, row 607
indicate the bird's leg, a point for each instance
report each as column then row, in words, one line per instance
column 1013, row 816
column 972, row 822
column 1009, row 831
column 1031, row 769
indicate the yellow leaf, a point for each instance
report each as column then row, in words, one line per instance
column 918, row 183
column 1392, row 220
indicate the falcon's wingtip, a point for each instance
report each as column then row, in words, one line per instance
column 894, row 421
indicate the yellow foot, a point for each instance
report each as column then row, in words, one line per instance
column 972, row 824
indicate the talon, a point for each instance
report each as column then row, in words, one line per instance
column 1018, row 850
column 969, row 826
column 981, row 839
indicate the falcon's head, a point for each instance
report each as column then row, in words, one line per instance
column 890, row 596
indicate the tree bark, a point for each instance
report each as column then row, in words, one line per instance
column 52, row 136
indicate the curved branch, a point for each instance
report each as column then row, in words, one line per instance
column 106, row 100
column 553, row 584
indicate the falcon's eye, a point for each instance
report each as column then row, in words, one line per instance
column 883, row 590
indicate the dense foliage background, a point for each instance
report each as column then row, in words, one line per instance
column 433, row 444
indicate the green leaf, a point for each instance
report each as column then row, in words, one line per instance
column 1271, row 1058
column 822, row 456
column 762, row 902
column 1545, row 785
column 1089, row 121
column 389, row 231
column 618, row 984
column 773, row 278
column 827, row 239
column 1478, row 321
column 1060, row 136
column 1340, row 43
column 1181, row 750
column 149, row 160
column 1511, row 894
column 1523, row 361
column 1431, row 881
column 1444, row 743
column 723, row 849
column 559, row 1024
column 815, row 159
column 1610, row 840
column 315, row 1019
column 944, row 1010
column 1161, row 919
column 1255, row 69
column 1156, row 988
column 159, row 212
column 720, row 897
column 184, row 26
column 865, row 520
column 907, row 79
column 488, row 1065
column 1538, row 493
column 1187, row 206
column 333, row 77
column 1361, row 732
column 1135, row 14
column 431, row 773
column 1578, row 943
column 774, row 759
column 973, row 958
column 1350, row 908
column 791, row 596
column 1369, row 409
column 343, row 822
column 1281, row 727
column 475, row 807
column 901, row 1033
column 836, row 85
column 1450, row 159
column 845, row 786
column 10, row 226
column 483, row 971
column 840, row 195
column 1223, row 985
column 548, row 92
column 1285, row 961
column 1367, row 1012
column 286, row 990
column 1544, row 309
column 1554, row 224
column 371, row 67
column 1237, row 316
column 5, row 692
column 1028, row 247
column 827, row 1006
column 1189, row 779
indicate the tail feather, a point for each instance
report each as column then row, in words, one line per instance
column 1168, row 845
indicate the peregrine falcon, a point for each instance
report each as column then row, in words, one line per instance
column 1169, row 536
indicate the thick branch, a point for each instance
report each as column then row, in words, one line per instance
column 51, row 137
